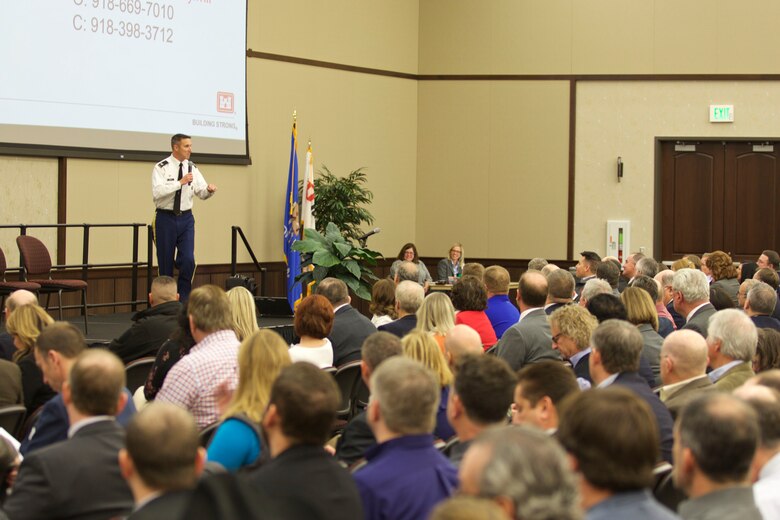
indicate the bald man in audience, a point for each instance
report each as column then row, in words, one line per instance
column 540, row 390
column 479, row 399
column 15, row 300
column 461, row 340
column 715, row 439
column 529, row 341
column 560, row 290
column 683, row 369
column 765, row 470
column 151, row 326
column 161, row 469
column 760, row 304
column 731, row 341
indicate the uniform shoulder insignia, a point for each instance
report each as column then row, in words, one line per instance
column 163, row 163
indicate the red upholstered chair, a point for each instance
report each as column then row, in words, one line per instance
column 7, row 288
column 37, row 265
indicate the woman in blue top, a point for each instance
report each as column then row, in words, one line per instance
column 260, row 359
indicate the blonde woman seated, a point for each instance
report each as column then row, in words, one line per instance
column 641, row 311
column 243, row 311
column 421, row 347
column 25, row 325
column 436, row 316
column 452, row 266
column 237, row 442
column 383, row 302
column 313, row 322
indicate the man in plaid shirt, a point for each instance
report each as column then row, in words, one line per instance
column 192, row 381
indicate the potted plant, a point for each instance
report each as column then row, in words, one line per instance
column 339, row 200
column 333, row 255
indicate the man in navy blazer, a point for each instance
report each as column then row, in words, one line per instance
column 80, row 477
column 408, row 298
column 350, row 328
column 760, row 304
column 614, row 360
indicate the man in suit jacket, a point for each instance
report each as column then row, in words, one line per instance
column 586, row 269
column 614, row 360
column 80, row 478
column 571, row 328
column 161, row 468
column 560, row 290
column 529, row 340
column 408, row 298
column 541, row 387
column 719, row 487
column 665, row 279
column 760, row 302
column 732, row 344
column 691, row 296
column 56, row 350
column 683, row 369
column 350, row 328
column 298, row 421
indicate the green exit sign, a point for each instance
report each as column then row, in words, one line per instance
column 721, row 113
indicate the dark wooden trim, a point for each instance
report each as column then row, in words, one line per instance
column 329, row 65
column 572, row 176
column 510, row 77
column 62, row 206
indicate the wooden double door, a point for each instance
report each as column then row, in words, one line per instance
column 719, row 195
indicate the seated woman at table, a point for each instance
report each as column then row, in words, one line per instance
column 408, row 253
column 453, row 265
column 469, row 296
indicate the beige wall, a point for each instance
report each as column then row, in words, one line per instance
column 598, row 37
column 492, row 168
column 624, row 118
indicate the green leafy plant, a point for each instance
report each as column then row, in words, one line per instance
column 340, row 200
column 333, row 255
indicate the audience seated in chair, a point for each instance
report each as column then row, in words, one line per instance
column 211, row 362
column 14, row 301
column 80, row 477
column 408, row 298
column 541, row 388
column 461, row 341
column 405, row 476
column 161, row 467
column 501, row 312
column 357, row 437
column 522, row 470
column 152, row 326
column 350, row 328
column 718, row 486
column 731, row 341
column 612, row 441
column 300, row 414
column 57, row 349
column 683, row 369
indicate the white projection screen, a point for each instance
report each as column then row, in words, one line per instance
column 117, row 78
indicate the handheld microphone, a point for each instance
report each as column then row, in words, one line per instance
column 372, row 232
column 189, row 170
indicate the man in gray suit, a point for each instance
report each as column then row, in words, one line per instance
column 731, row 341
column 691, row 296
column 79, row 477
column 350, row 328
column 709, row 427
column 683, row 369
column 529, row 340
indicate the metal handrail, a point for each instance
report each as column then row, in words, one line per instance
column 85, row 265
column 236, row 231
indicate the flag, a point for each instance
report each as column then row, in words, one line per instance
column 308, row 192
column 292, row 224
